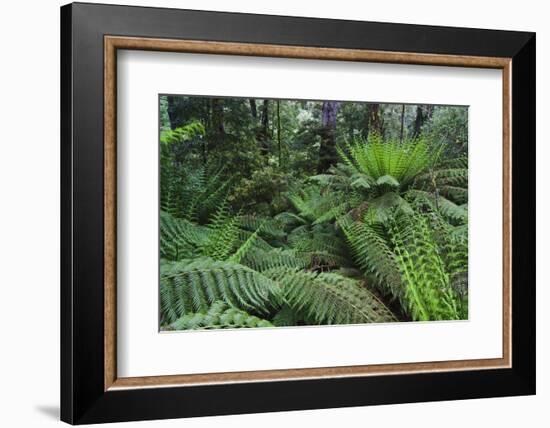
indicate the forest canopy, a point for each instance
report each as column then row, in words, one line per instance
column 292, row 212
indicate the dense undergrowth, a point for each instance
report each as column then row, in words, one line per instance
column 381, row 236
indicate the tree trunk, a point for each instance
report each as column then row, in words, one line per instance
column 418, row 122
column 263, row 131
column 279, row 131
column 218, row 130
column 253, row 109
column 374, row 122
column 402, row 123
column 172, row 112
column 366, row 123
column 327, row 150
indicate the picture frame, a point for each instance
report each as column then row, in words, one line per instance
column 91, row 35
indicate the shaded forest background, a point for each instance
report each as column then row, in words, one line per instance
column 290, row 212
column 269, row 143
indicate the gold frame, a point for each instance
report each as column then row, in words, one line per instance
column 113, row 43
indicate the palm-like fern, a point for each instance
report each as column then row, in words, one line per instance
column 389, row 163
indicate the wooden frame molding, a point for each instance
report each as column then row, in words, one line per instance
column 113, row 43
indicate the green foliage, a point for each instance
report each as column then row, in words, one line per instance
column 435, row 202
column 329, row 298
column 193, row 194
column 219, row 315
column 391, row 163
column 449, row 126
column 182, row 134
column 409, row 262
column 180, row 238
column 189, row 286
column 251, row 235
column 262, row 260
column 317, row 205
column 374, row 255
column 425, row 277
column 223, row 235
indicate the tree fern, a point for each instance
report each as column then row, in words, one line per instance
column 389, row 163
column 424, row 274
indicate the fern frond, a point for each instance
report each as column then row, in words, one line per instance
column 320, row 244
column 219, row 315
column 270, row 228
column 427, row 282
column 317, row 205
column 373, row 255
column 180, row 238
column 329, row 298
column 380, row 209
column 459, row 195
column 390, row 163
column 223, row 235
column 258, row 243
column 286, row 317
column 290, row 220
column 261, row 260
column 192, row 285
column 438, row 203
column 202, row 191
column 245, row 247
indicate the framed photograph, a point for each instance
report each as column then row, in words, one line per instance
column 266, row 213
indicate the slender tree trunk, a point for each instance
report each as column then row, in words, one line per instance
column 206, row 121
column 418, row 122
column 374, row 122
column 402, row 122
column 366, row 123
column 218, row 130
column 327, row 150
column 172, row 113
column 279, row 131
column 263, row 132
column 253, row 108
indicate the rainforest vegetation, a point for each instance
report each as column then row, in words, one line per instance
column 288, row 212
